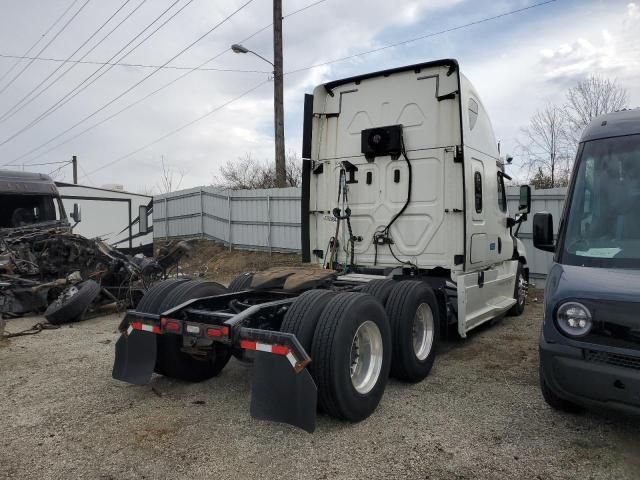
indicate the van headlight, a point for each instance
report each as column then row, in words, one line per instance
column 574, row 319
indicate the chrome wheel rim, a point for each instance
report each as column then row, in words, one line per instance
column 366, row 357
column 423, row 328
column 522, row 290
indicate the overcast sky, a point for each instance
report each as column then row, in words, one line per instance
column 518, row 63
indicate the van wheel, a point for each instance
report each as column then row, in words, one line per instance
column 520, row 293
column 351, row 354
column 379, row 289
column 554, row 401
column 415, row 323
column 171, row 361
column 241, row 282
column 301, row 319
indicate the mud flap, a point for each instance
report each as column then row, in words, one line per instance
column 279, row 394
column 135, row 357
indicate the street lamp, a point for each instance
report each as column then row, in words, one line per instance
column 278, row 109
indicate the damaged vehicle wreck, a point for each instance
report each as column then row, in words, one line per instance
column 44, row 267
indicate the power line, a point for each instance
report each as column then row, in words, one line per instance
column 45, row 163
column 215, row 27
column 15, row 77
column 173, row 132
column 166, row 85
column 9, row 113
column 307, row 68
column 421, row 37
column 53, row 172
column 4, row 75
column 80, row 88
column 136, row 65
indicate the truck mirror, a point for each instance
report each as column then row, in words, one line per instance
column 143, row 219
column 524, row 205
column 76, row 215
column 543, row 232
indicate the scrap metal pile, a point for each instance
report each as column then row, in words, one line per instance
column 63, row 274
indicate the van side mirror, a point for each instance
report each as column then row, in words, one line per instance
column 76, row 215
column 143, row 219
column 543, row 232
column 524, row 205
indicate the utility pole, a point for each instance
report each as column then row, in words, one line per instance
column 74, row 162
column 278, row 95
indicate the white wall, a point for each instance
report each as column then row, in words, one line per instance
column 105, row 213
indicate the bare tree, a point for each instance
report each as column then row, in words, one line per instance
column 546, row 151
column 591, row 97
column 170, row 179
column 247, row 173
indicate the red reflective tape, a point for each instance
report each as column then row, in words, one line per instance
column 248, row 345
column 279, row 349
column 136, row 325
column 155, row 329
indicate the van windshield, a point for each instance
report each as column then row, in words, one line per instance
column 603, row 219
column 24, row 210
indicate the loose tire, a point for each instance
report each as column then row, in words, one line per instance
column 414, row 316
column 303, row 316
column 554, row 401
column 171, row 361
column 351, row 356
column 241, row 282
column 380, row 289
column 72, row 303
column 519, row 293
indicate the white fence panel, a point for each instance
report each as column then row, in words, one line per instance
column 269, row 219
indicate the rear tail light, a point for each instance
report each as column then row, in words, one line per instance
column 170, row 325
column 216, row 332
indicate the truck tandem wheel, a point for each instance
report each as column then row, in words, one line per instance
column 152, row 299
column 413, row 313
column 171, row 360
column 379, row 289
column 241, row 282
column 302, row 317
column 351, row 354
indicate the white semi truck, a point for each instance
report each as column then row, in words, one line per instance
column 406, row 228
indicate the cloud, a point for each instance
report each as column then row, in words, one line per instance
column 609, row 52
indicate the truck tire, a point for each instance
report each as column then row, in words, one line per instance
column 72, row 303
column 414, row 316
column 152, row 299
column 351, row 352
column 303, row 315
column 519, row 293
column 555, row 401
column 241, row 282
column 171, row 361
column 379, row 289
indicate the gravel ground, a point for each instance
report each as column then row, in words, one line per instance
column 478, row 415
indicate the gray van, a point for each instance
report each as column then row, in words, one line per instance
column 590, row 340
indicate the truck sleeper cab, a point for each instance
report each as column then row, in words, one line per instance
column 590, row 339
column 405, row 225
